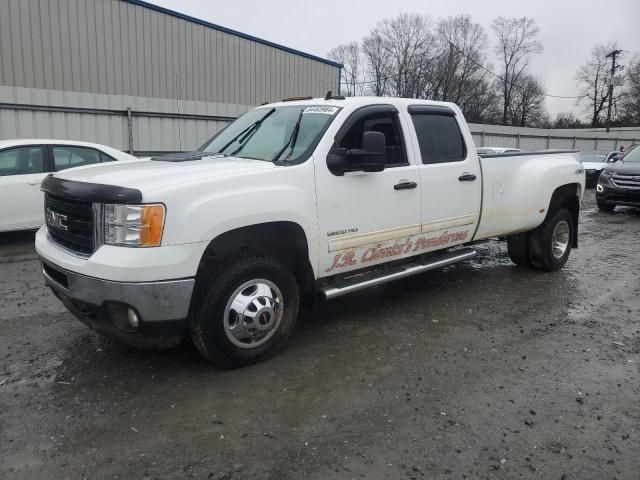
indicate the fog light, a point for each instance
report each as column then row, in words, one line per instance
column 132, row 316
column 599, row 188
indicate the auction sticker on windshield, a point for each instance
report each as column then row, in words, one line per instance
column 324, row 109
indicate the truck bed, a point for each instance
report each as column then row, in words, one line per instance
column 517, row 188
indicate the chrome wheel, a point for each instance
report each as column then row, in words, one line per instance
column 253, row 313
column 560, row 239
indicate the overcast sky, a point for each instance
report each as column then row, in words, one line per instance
column 568, row 29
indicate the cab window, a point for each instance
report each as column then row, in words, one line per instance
column 439, row 138
column 21, row 161
column 386, row 123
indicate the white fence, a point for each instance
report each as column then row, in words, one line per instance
column 542, row 139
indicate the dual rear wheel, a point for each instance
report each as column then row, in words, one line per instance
column 547, row 247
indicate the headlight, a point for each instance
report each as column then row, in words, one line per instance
column 606, row 173
column 133, row 225
column 591, row 171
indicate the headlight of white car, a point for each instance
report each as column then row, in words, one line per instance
column 134, row 225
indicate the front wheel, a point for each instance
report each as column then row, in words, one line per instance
column 550, row 243
column 605, row 207
column 244, row 311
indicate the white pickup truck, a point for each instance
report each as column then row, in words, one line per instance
column 293, row 199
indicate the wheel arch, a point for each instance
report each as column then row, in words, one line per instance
column 567, row 196
column 284, row 240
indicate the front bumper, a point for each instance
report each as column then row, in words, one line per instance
column 162, row 307
column 611, row 195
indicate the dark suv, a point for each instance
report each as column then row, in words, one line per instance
column 619, row 183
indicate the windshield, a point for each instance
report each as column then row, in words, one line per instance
column 273, row 133
column 592, row 157
column 632, row 155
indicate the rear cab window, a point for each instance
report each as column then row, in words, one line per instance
column 439, row 135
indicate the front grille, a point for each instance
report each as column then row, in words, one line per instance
column 70, row 223
column 626, row 180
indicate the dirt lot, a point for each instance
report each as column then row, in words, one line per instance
column 484, row 370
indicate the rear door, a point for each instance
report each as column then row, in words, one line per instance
column 365, row 218
column 22, row 169
column 450, row 176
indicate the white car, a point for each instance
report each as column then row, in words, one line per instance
column 25, row 163
column 496, row 150
column 325, row 195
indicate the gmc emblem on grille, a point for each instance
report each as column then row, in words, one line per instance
column 56, row 220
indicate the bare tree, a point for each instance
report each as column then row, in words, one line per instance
column 469, row 42
column 481, row 103
column 350, row 75
column 516, row 44
column 630, row 102
column 593, row 80
column 567, row 120
column 471, row 88
column 377, row 61
column 411, row 49
column 527, row 102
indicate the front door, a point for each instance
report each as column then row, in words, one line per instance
column 22, row 169
column 366, row 218
column 450, row 175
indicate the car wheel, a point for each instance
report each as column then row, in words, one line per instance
column 605, row 207
column 244, row 311
column 550, row 243
column 518, row 248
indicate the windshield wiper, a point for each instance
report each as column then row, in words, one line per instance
column 242, row 136
column 292, row 138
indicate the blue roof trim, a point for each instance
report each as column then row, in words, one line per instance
column 189, row 18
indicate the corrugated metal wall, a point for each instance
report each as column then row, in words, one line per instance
column 541, row 139
column 126, row 52
column 119, row 48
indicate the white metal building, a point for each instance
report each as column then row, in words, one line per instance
column 136, row 76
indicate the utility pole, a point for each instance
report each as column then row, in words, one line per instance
column 448, row 94
column 614, row 67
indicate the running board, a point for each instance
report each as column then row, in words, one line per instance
column 439, row 261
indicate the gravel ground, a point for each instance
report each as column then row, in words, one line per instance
column 482, row 370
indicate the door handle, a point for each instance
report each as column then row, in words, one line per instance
column 34, row 182
column 467, row 177
column 404, row 185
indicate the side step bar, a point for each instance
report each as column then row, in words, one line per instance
column 439, row 261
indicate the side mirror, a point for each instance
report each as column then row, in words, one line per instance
column 374, row 150
column 370, row 158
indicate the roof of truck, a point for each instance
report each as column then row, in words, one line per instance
column 360, row 101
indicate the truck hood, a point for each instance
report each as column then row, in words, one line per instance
column 594, row 165
column 151, row 175
column 621, row 167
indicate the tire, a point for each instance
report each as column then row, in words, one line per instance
column 518, row 248
column 245, row 310
column 605, row 207
column 550, row 243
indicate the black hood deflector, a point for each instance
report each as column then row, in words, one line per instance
column 90, row 192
